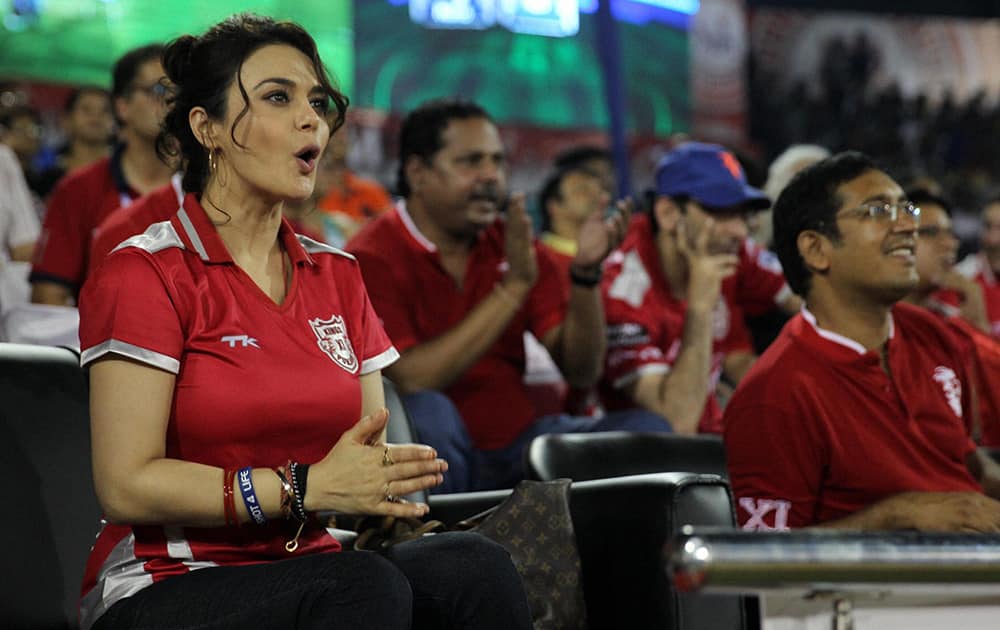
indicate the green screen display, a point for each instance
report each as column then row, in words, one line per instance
column 551, row 82
column 378, row 56
column 77, row 41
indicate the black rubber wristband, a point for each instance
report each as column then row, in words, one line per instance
column 587, row 280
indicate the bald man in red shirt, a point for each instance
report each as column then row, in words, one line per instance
column 856, row 417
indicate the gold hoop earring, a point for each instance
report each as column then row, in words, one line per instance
column 215, row 167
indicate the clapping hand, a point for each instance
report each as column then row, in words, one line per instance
column 363, row 475
column 522, row 271
column 600, row 234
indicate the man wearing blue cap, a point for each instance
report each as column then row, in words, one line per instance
column 677, row 290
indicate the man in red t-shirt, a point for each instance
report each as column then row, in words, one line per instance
column 133, row 219
column 856, row 416
column 86, row 196
column 457, row 286
column 676, row 291
column 958, row 301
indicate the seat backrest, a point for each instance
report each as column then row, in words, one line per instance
column 619, row 522
column 399, row 429
column 45, row 447
column 583, row 456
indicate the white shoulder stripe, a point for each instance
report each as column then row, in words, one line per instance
column 157, row 237
column 114, row 346
column 380, row 361
column 315, row 247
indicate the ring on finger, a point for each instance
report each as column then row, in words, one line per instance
column 387, row 457
column 390, row 497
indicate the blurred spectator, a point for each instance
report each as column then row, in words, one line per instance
column 457, row 287
column 19, row 227
column 350, row 200
column 857, row 416
column 87, row 124
column 941, row 287
column 83, row 199
column 21, row 130
column 959, row 302
column 782, row 169
column 570, row 197
column 678, row 288
column 984, row 266
column 593, row 159
column 18, row 231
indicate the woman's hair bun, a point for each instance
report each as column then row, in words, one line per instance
column 177, row 58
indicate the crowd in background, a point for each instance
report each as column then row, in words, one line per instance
column 919, row 137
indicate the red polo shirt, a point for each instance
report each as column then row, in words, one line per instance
column 983, row 353
column 418, row 301
column 817, row 430
column 257, row 383
column 978, row 268
column 79, row 203
column 646, row 321
column 132, row 219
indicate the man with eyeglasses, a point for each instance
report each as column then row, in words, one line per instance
column 858, row 415
column 941, row 287
column 676, row 292
column 958, row 301
column 86, row 196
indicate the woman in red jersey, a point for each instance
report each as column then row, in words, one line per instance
column 230, row 361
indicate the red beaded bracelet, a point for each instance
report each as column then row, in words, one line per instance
column 228, row 500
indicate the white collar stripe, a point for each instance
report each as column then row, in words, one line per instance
column 315, row 247
column 847, row 342
column 192, row 233
column 411, row 227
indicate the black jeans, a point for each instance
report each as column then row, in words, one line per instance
column 455, row 580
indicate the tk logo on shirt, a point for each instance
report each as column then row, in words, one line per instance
column 245, row 341
column 331, row 337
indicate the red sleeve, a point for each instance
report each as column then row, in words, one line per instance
column 775, row 466
column 61, row 252
column 548, row 301
column 388, row 299
column 638, row 345
column 127, row 309
column 760, row 280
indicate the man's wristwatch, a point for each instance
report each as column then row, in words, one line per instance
column 586, row 278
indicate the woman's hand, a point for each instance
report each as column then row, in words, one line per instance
column 363, row 475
